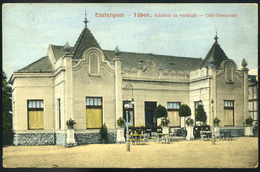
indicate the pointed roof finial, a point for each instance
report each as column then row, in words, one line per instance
column 216, row 37
column 86, row 21
column 116, row 51
column 67, row 47
column 244, row 63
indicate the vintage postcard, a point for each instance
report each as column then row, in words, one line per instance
column 130, row 85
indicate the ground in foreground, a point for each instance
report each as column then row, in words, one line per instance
column 240, row 153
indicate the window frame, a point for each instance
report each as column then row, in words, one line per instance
column 173, row 109
column 229, row 72
column 176, row 110
column 91, row 64
column 230, row 108
column 95, row 107
column 34, row 109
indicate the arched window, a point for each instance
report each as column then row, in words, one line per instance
column 93, row 63
column 229, row 70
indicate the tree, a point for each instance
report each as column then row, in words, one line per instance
column 184, row 111
column 6, row 111
column 200, row 114
column 160, row 111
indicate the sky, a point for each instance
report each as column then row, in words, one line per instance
column 28, row 29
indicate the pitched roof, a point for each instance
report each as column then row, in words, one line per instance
column 85, row 41
column 215, row 56
column 42, row 65
column 58, row 51
column 135, row 60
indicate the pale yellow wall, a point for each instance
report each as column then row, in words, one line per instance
column 85, row 85
column 59, row 92
column 159, row 92
column 200, row 90
column 14, row 109
column 158, row 86
column 230, row 92
column 30, row 88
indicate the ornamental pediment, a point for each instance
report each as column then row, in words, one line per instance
column 150, row 69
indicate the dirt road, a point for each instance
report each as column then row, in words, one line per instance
column 240, row 153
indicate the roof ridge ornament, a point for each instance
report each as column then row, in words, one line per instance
column 86, row 20
column 117, row 52
column 244, row 63
column 216, row 37
column 67, row 47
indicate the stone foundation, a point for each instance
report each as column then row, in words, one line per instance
column 93, row 138
column 111, row 137
column 32, row 139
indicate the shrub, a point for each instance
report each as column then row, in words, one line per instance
column 200, row 114
column 165, row 122
column 104, row 133
column 216, row 121
column 70, row 123
column 184, row 111
column 120, row 122
column 249, row 121
column 160, row 111
column 189, row 121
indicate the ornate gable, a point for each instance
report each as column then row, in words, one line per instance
column 150, row 69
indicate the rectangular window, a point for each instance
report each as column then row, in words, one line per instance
column 228, row 103
column 173, row 105
column 229, row 112
column 93, row 112
column 173, row 114
column 35, row 114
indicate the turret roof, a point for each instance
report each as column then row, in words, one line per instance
column 85, row 41
column 215, row 56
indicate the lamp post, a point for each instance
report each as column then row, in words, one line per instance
column 213, row 133
column 127, row 134
column 127, row 106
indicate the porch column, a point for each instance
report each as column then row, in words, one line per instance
column 245, row 70
column 118, row 88
column 68, row 88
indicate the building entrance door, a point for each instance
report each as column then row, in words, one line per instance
column 150, row 119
